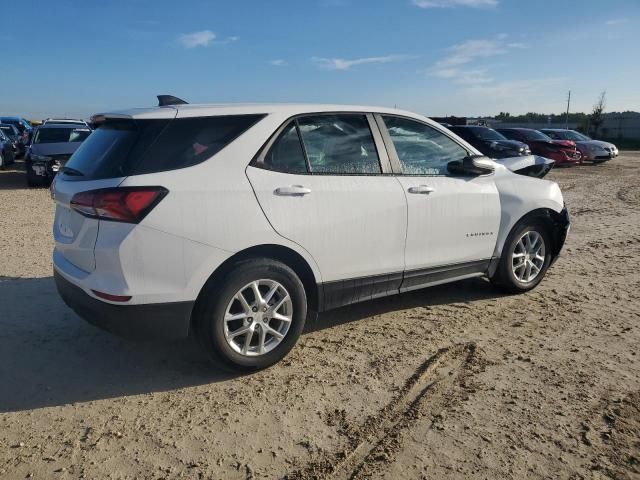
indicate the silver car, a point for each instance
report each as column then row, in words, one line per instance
column 592, row 150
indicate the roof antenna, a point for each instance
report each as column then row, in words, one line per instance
column 166, row 100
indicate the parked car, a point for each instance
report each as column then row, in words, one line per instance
column 562, row 153
column 592, row 150
column 52, row 146
column 71, row 121
column 7, row 155
column 25, row 128
column 237, row 222
column 16, row 139
column 11, row 131
column 491, row 143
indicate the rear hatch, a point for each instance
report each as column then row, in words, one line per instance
column 123, row 147
column 75, row 235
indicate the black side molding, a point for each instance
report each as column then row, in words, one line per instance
column 166, row 100
column 345, row 292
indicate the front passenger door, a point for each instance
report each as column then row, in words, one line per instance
column 453, row 220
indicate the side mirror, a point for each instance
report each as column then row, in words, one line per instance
column 471, row 165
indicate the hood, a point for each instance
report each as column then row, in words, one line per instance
column 530, row 165
column 510, row 144
column 598, row 143
column 55, row 148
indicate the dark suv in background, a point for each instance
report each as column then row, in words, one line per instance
column 53, row 144
column 491, row 143
column 23, row 126
column 19, row 143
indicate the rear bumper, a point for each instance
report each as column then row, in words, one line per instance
column 155, row 320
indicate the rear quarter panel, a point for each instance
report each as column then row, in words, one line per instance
column 209, row 214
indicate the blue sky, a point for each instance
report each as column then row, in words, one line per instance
column 437, row 57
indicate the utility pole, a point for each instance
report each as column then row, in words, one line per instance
column 567, row 116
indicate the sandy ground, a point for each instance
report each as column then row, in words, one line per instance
column 456, row 381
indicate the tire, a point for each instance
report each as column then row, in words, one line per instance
column 220, row 299
column 505, row 276
column 1, row 161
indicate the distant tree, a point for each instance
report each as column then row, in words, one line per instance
column 597, row 114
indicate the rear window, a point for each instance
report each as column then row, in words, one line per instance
column 61, row 135
column 120, row 148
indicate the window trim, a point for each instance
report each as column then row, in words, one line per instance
column 258, row 160
column 393, row 154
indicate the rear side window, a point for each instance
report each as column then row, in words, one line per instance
column 135, row 147
column 339, row 144
column 286, row 154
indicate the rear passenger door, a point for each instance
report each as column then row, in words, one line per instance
column 324, row 182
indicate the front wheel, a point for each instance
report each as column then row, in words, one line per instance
column 253, row 317
column 525, row 258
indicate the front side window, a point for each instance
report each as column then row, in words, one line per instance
column 421, row 149
column 339, row 144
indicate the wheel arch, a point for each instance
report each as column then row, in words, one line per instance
column 555, row 222
column 286, row 255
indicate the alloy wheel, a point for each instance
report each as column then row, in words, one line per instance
column 528, row 256
column 258, row 317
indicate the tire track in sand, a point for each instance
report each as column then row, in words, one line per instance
column 373, row 445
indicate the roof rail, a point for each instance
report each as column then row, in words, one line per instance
column 166, row 100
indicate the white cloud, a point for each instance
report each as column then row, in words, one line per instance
column 615, row 21
column 468, row 51
column 278, row 62
column 455, row 65
column 454, row 3
column 197, row 39
column 528, row 88
column 346, row 64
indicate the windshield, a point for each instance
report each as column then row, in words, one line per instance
column 568, row 135
column 535, row 135
column 486, row 134
column 61, row 135
column 8, row 130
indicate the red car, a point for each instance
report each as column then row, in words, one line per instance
column 564, row 152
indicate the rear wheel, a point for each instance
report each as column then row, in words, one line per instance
column 1, row 161
column 253, row 317
column 525, row 258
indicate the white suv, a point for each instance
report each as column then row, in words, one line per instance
column 236, row 222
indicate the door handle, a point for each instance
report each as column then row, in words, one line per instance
column 422, row 189
column 293, row 191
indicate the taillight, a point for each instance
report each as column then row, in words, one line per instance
column 120, row 204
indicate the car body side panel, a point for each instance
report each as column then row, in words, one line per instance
column 345, row 221
column 520, row 195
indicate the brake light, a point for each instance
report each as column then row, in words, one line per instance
column 120, row 204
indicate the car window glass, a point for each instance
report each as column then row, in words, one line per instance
column 421, row 149
column 340, row 144
column 286, row 154
column 120, row 148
